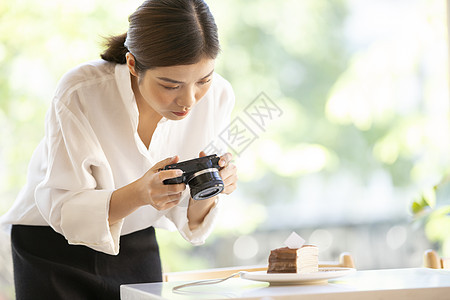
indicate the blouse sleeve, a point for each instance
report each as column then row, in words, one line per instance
column 224, row 104
column 74, row 196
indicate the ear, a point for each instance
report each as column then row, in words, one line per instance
column 131, row 63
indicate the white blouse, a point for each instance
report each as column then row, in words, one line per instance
column 91, row 148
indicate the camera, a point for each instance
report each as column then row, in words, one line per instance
column 201, row 174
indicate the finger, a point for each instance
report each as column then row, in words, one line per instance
column 164, row 190
column 225, row 159
column 228, row 171
column 172, row 198
column 202, row 154
column 229, row 189
column 166, row 201
column 230, row 180
column 172, row 189
column 168, row 174
column 170, row 204
column 170, row 201
column 165, row 162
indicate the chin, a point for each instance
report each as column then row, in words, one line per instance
column 173, row 117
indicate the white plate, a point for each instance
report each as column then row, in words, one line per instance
column 321, row 276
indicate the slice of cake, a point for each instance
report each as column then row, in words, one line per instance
column 297, row 260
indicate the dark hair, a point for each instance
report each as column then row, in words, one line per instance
column 166, row 33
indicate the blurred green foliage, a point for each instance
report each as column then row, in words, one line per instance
column 362, row 85
column 38, row 43
column 432, row 210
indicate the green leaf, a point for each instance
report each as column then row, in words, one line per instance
column 443, row 192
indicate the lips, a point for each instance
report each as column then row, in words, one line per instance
column 180, row 114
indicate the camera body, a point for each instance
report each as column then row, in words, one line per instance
column 201, row 174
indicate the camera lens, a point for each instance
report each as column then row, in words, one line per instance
column 205, row 184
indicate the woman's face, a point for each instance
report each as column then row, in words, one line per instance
column 172, row 91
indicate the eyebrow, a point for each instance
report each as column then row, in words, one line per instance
column 179, row 82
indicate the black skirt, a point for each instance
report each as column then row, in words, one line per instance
column 47, row 267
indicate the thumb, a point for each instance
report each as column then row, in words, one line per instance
column 165, row 162
column 202, row 154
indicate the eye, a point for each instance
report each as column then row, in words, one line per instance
column 204, row 81
column 170, row 87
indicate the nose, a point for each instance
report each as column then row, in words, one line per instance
column 187, row 99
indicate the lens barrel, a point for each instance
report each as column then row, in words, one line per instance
column 205, row 184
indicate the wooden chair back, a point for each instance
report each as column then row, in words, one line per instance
column 345, row 261
column 432, row 260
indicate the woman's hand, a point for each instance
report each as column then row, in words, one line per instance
column 197, row 210
column 159, row 195
column 228, row 172
column 149, row 189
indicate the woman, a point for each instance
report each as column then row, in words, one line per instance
column 84, row 222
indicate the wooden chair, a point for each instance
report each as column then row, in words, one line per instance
column 432, row 260
column 345, row 261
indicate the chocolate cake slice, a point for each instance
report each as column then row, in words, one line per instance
column 297, row 260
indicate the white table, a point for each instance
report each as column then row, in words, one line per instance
column 408, row 284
